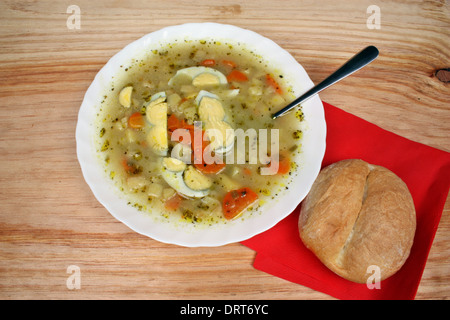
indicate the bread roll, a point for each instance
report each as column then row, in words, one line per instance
column 357, row 215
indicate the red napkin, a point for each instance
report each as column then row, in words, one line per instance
column 425, row 170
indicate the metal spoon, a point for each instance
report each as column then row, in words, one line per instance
column 358, row 61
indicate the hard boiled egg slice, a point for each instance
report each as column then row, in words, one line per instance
column 156, row 109
column 125, row 96
column 157, row 140
column 218, row 131
column 173, row 164
column 200, row 76
column 158, row 95
column 209, row 106
column 221, row 135
column 196, row 180
column 204, row 93
column 156, row 113
column 186, row 180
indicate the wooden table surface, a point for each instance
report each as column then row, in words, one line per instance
column 49, row 218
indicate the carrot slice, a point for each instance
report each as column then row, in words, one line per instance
column 208, row 62
column 129, row 168
column 173, row 123
column 212, row 168
column 229, row 63
column 271, row 82
column 208, row 168
column 136, row 121
column 237, row 76
column 236, row 201
column 284, row 164
column 173, row 203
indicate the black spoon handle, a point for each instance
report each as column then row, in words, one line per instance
column 354, row 64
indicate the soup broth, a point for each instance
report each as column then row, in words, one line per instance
column 191, row 91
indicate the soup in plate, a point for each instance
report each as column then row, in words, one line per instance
column 187, row 132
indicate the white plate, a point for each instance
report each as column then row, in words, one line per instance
column 313, row 143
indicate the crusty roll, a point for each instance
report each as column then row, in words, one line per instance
column 357, row 215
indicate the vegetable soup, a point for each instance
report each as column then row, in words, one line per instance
column 188, row 133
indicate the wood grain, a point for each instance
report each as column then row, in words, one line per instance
column 50, row 219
